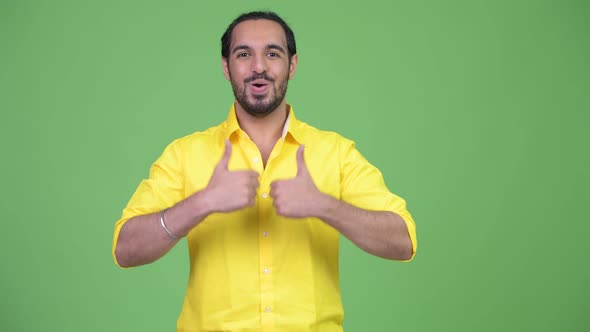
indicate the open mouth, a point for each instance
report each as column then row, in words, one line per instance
column 259, row 87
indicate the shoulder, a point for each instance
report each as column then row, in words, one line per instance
column 313, row 136
column 326, row 147
column 198, row 140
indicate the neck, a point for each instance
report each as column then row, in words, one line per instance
column 266, row 130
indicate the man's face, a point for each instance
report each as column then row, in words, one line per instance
column 258, row 66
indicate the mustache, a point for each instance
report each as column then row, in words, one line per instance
column 262, row 76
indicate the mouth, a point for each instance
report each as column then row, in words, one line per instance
column 259, row 86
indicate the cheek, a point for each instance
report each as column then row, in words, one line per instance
column 236, row 73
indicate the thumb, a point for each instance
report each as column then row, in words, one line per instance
column 224, row 162
column 301, row 167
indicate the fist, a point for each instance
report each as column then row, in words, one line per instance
column 297, row 197
column 227, row 190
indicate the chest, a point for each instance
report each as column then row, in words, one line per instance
column 272, row 164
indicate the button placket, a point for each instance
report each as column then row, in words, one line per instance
column 265, row 251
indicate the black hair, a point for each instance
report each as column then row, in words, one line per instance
column 258, row 15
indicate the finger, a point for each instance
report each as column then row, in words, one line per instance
column 273, row 189
column 252, row 201
column 280, row 209
column 249, row 178
column 301, row 167
column 255, row 183
column 224, row 162
column 256, row 180
column 248, row 174
column 254, row 196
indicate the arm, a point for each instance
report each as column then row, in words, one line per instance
column 142, row 239
column 381, row 233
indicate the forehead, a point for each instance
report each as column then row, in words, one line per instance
column 258, row 33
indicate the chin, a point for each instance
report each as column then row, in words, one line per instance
column 263, row 111
column 260, row 115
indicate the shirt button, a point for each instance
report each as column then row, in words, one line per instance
column 265, row 234
column 255, row 160
column 267, row 270
column 267, row 309
column 264, row 195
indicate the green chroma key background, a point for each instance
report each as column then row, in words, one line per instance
column 476, row 112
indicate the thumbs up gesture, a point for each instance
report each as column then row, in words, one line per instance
column 297, row 197
column 231, row 190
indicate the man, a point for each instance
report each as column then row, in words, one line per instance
column 262, row 199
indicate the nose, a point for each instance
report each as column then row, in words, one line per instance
column 259, row 64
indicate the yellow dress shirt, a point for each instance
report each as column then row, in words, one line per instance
column 252, row 270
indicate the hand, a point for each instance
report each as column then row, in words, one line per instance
column 297, row 197
column 230, row 190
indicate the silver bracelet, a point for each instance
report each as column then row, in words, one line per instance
column 172, row 236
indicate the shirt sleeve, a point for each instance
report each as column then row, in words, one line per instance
column 362, row 185
column 163, row 188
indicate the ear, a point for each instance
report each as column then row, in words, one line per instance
column 294, row 61
column 225, row 66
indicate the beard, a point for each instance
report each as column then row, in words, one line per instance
column 259, row 107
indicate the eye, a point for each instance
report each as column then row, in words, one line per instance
column 273, row 54
column 242, row 54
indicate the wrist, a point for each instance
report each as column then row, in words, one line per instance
column 200, row 205
column 324, row 207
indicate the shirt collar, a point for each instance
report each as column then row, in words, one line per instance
column 291, row 127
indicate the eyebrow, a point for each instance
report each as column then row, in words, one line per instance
column 269, row 46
